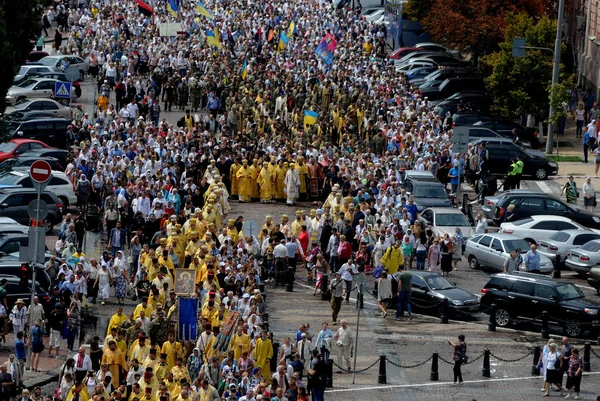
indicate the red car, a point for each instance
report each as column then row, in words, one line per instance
column 16, row 147
column 403, row 51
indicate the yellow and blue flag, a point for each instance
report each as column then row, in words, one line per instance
column 204, row 11
column 245, row 69
column 283, row 41
column 292, row 28
column 310, row 117
column 173, row 7
column 212, row 37
column 324, row 53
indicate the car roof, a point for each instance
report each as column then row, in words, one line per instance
column 12, row 235
column 445, row 210
column 22, row 190
column 538, row 217
column 500, row 236
column 25, row 140
column 525, row 276
column 423, row 273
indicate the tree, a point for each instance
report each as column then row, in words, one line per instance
column 20, row 24
column 519, row 85
column 559, row 95
column 417, row 10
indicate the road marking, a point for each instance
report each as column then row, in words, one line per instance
column 352, row 299
column 585, row 286
column 544, row 187
column 435, row 384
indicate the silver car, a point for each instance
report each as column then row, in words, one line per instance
column 493, row 250
column 561, row 242
column 33, row 88
column 489, row 202
column 56, row 63
column 581, row 260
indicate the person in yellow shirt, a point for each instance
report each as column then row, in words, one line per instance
column 149, row 381
column 162, row 368
column 115, row 360
column 210, row 312
column 121, row 342
column 151, row 360
column 303, row 173
column 180, row 371
column 266, row 180
column 148, row 394
column 172, row 386
column 263, row 352
column 141, row 350
column 136, row 392
column 240, row 343
column 234, row 191
column 142, row 306
column 156, row 300
column 79, row 392
column 116, row 320
column 368, row 46
column 222, row 314
column 172, row 349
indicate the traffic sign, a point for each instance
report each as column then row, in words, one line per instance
column 72, row 73
column 518, row 47
column 40, row 171
column 37, row 209
column 62, row 90
column 460, row 139
column 250, row 228
column 37, row 244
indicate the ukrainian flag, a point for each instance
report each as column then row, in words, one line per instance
column 204, row 11
column 283, row 41
column 310, row 117
column 173, row 7
column 212, row 37
column 292, row 28
column 245, row 69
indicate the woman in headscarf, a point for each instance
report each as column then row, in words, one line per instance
column 103, row 281
column 83, row 190
column 119, row 272
column 458, row 241
column 570, row 190
column 194, row 363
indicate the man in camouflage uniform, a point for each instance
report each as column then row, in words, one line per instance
column 159, row 328
column 196, row 94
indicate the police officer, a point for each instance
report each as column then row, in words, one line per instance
column 520, row 165
column 511, row 178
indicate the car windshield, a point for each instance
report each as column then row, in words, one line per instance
column 451, row 219
column 560, row 237
column 438, row 283
column 569, row 291
column 27, row 83
column 10, row 179
column 514, row 244
column 8, row 164
column 523, row 221
column 592, row 246
column 7, row 147
column 430, row 192
column 22, row 104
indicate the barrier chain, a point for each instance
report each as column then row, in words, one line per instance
column 355, row 371
column 444, row 360
column 421, row 306
column 594, row 352
column 410, row 366
column 512, row 360
column 476, row 359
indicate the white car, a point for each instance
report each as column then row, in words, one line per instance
column 31, row 69
column 561, row 242
column 537, row 228
column 444, row 220
column 56, row 63
column 33, row 88
column 59, row 184
column 374, row 16
column 50, row 106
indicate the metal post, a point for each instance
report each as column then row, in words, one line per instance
column 486, row 363
column 324, row 286
column 382, row 376
column 492, row 321
column 32, row 266
column 555, row 70
column 329, row 373
column 586, row 357
column 444, row 312
column 356, row 339
column 544, row 332
column 434, row 375
column 556, row 260
column 535, row 369
column 458, row 186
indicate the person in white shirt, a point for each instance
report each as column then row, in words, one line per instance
column 83, row 363
column 304, row 348
column 348, row 271
column 345, row 345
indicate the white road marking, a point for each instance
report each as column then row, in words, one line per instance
column 435, row 384
column 544, row 187
column 585, row 286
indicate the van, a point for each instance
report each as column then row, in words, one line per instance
column 51, row 131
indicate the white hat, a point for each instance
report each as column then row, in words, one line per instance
column 246, row 296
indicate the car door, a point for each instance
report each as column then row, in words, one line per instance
column 57, row 185
column 12, row 206
column 483, row 250
column 545, row 298
column 22, row 148
column 50, row 107
column 528, row 206
column 555, row 207
column 496, row 255
column 520, row 297
column 499, row 160
column 420, row 291
column 42, row 89
column 541, row 230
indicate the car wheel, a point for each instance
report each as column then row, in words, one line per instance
column 48, row 226
column 502, row 318
column 541, row 174
column 473, row 263
column 572, row 328
column 64, row 102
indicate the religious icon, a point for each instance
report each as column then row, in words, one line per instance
column 184, row 281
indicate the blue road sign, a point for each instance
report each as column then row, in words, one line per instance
column 62, row 90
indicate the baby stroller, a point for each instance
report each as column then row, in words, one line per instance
column 93, row 217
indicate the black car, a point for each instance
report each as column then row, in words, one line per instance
column 59, row 154
column 15, row 290
column 27, row 161
column 51, row 131
column 536, row 165
column 533, row 203
column 427, row 192
column 470, row 118
column 451, row 86
column 442, row 74
column 429, row 289
column 14, row 202
column 525, row 296
column 506, row 127
column 13, row 268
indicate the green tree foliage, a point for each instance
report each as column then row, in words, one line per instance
column 416, row 10
column 20, row 24
column 559, row 99
column 519, row 85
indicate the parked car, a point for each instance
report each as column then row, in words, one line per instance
column 427, row 193
column 27, row 161
column 34, row 88
column 16, row 147
column 408, row 67
column 55, row 62
column 13, row 268
column 60, row 154
column 374, row 15
column 416, row 174
column 524, row 296
column 489, row 202
column 506, row 127
column 594, row 279
column 493, row 250
column 15, row 290
column 539, row 227
column 561, row 242
column 469, row 118
column 429, row 289
column 14, row 202
column 445, row 220
column 36, row 55
column 472, row 100
column 453, row 85
column 59, row 184
column 403, row 51
column 583, row 259
column 26, row 115
column 534, row 204
column 46, row 105
column 51, row 131
column 420, row 73
column 536, row 166
column 28, row 70
column 14, row 228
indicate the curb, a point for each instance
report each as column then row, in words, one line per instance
column 42, row 380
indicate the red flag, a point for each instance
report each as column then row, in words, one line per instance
column 270, row 35
column 144, row 8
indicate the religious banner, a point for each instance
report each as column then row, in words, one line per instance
column 188, row 319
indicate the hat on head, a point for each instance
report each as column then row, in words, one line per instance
column 20, row 301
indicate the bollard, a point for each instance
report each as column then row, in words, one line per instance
column 329, row 373
column 375, row 292
column 444, row 312
column 544, row 333
column 598, row 331
column 361, row 300
column 261, row 288
column 486, row 363
column 274, row 362
column 535, row 368
column 289, row 286
column 434, row 375
column 556, row 263
column 492, row 321
column 586, row 357
column 382, row 377
column 324, row 286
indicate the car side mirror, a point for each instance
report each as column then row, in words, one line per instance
column 553, row 298
column 4, row 205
